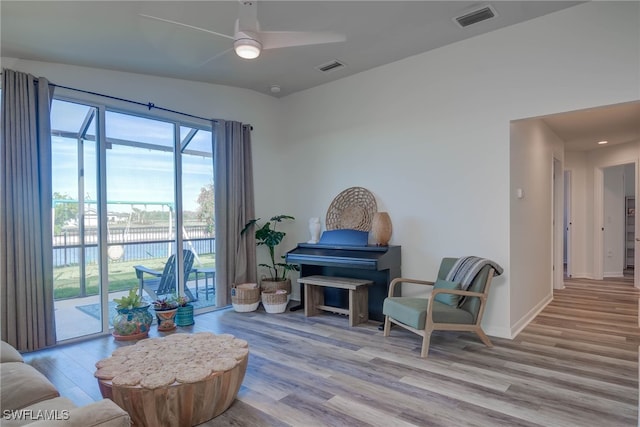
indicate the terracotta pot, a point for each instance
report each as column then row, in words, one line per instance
column 166, row 319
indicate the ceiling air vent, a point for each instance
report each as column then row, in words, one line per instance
column 476, row 16
column 330, row 66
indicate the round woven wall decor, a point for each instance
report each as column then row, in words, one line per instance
column 353, row 209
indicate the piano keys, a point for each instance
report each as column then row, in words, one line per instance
column 345, row 253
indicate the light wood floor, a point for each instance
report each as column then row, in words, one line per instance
column 576, row 364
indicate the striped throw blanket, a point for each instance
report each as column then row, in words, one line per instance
column 466, row 268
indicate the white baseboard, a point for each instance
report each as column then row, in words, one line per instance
column 613, row 274
column 582, row 276
column 527, row 318
column 497, row 332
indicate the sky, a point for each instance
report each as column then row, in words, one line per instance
column 132, row 173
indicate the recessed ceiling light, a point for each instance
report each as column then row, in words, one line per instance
column 602, row 142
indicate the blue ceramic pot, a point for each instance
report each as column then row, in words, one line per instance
column 184, row 317
column 132, row 323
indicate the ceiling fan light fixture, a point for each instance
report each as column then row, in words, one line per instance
column 247, row 48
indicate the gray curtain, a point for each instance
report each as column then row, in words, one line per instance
column 234, row 207
column 26, row 255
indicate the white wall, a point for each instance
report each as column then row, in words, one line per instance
column 629, row 179
column 429, row 136
column 533, row 150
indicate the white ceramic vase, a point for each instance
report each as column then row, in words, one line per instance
column 314, row 229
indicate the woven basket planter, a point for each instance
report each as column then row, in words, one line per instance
column 275, row 301
column 245, row 297
column 275, row 285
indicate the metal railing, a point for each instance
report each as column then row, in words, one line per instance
column 138, row 243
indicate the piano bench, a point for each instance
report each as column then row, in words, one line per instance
column 358, row 296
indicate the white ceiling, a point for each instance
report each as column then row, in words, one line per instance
column 113, row 35
column 582, row 130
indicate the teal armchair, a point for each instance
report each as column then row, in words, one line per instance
column 448, row 308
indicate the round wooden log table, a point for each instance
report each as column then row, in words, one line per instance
column 180, row 380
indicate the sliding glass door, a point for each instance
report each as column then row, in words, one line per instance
column 76, row 278
column 128, row 191
column 198, row 225
column 140, row 189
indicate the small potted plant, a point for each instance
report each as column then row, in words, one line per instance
column 166, row 309
column 133, row 319
column 184, row 315
column 267, row 235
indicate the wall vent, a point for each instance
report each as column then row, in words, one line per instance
column 476, row 16
column 330, row 66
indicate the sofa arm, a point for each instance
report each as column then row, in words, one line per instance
column 9, row 354
column 102, row 413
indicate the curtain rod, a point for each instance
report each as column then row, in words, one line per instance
column 149, row 105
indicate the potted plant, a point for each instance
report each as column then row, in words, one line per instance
column 267, row 235
column 133, row 319
column 184, row 315
column 166, row 309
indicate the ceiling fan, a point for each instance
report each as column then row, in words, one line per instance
column 249, row 41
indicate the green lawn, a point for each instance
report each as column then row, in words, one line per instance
column 122, row 276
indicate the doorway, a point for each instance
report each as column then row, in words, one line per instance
column 617, row 251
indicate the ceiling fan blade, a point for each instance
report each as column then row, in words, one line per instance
column 278, row 39
column 215, row 56
column 186, row 26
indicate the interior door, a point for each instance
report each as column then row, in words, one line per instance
column 567, row 223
